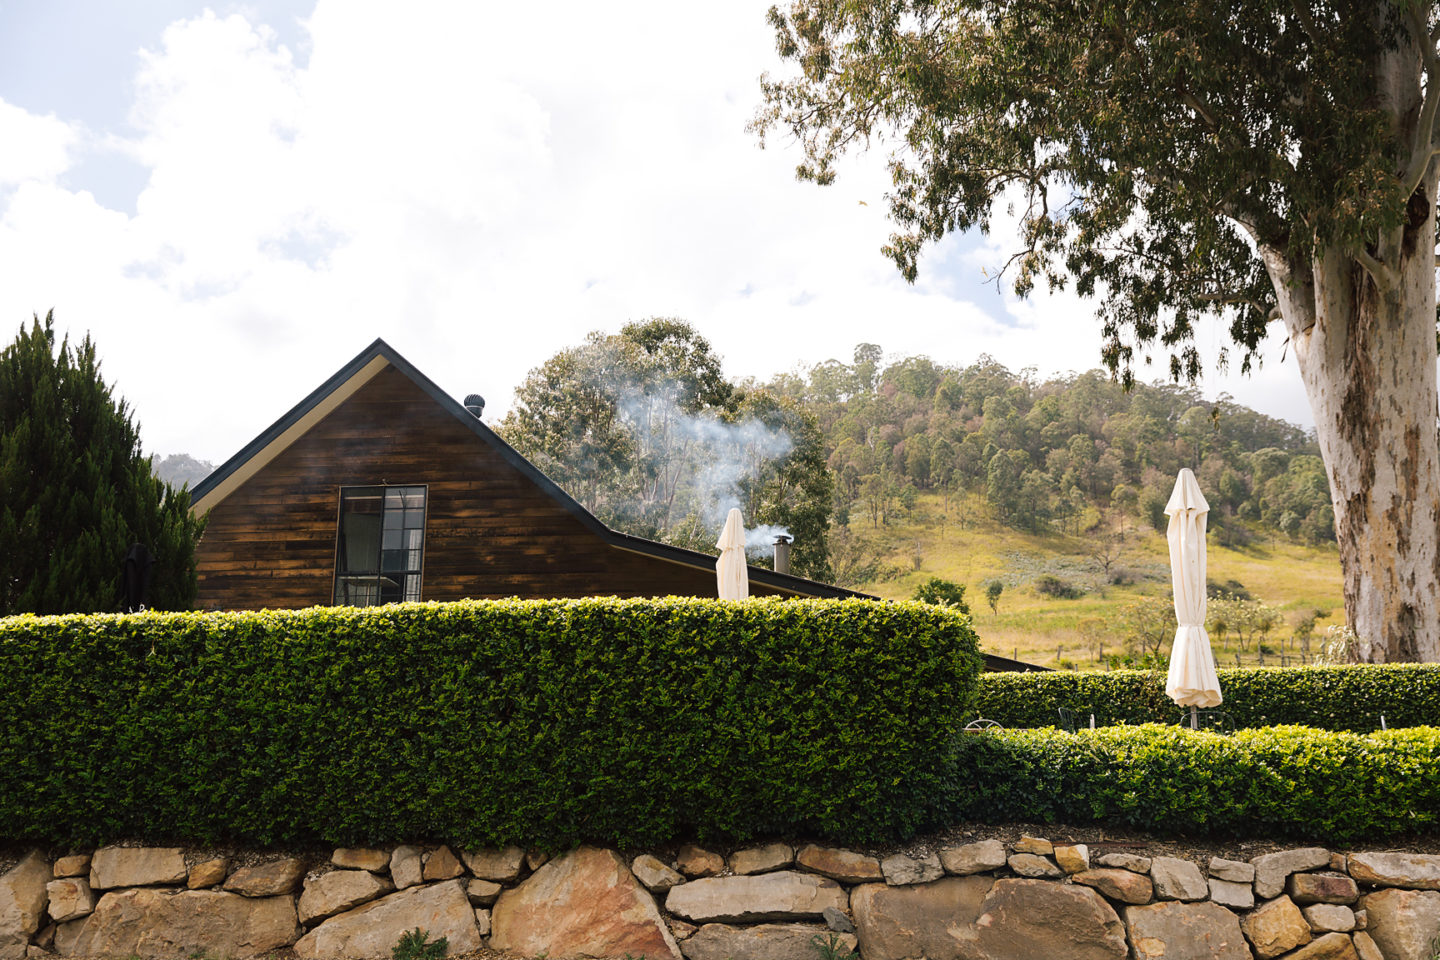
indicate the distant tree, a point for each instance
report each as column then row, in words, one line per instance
column 946, row 593
column 993, row 589
column 75, row 490
column 181, row 469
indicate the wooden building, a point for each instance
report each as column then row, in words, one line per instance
column 380, row 487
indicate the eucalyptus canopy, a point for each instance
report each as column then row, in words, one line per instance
column 1256, row 162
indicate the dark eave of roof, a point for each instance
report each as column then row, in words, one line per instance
column 624, row 541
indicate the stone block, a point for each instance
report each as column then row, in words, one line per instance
column 145, row 922
column 1199, row 930
column 1039, row 846
column 207, row 873
column 766, row 941
column 75, row 865
column 1403, row 923
column 441, row 864
column 407, row 867
column 1330, row 946
column 1125, row 861
column 1329, row 917
column 1072, row 857
column 781, row 895
column 772, row 856
column 372, row 930
column 1413, row 870
column 482, row 893
column 338, row 891
column 361, row 858
column 1233, row 871
column 1275, row 927
column 70, row 899
column 584, row 903
column 23, row 900
column 695, row 861
column 273, row 879
column 1034, row 866
column 1118, row 884
column 843, row 865
column 136, row 867
column 1238, row 896
column 655, row 875
column 1365, row 947
column 973, row 857
column 901, row 870
column 1321, row 888
column 500, row 865
column 1177, row 879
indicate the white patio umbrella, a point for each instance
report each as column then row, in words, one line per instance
column 1192, row 681
column 731, row 572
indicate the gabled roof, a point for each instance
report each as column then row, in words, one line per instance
column 230, row 475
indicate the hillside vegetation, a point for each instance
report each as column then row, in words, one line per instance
column 1056, row 491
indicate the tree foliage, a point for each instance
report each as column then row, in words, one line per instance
column 75, row 490
column 644, row 430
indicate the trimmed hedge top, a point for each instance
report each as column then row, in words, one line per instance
column 1349, row 698
column 483, row 722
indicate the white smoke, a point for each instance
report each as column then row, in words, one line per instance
column 762, row 538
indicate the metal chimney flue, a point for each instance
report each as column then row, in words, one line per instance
column 475, row 404
column 782, row 553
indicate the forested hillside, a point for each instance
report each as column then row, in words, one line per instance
column 1065, row 454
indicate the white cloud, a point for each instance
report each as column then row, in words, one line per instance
column 480, row 185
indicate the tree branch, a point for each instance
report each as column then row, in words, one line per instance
column 1423, row 148
column 1382, row 273
column 1307, row 21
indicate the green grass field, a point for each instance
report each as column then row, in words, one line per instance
column 1296, row 578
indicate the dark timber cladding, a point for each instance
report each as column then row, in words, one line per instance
column 494, row 526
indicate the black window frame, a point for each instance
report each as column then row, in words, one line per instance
column 396, row 573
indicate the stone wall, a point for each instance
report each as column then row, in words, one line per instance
column 985, row 900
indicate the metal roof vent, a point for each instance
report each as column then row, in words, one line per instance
column 475, row 404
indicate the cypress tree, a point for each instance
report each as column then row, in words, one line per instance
column 75, row 490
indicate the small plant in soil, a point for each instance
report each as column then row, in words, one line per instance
column 417, row 945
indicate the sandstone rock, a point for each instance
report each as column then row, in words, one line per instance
column 37, row 952
column 1365, row 947
column 502, row 866
column 76, row 865
column 1413, row 870
column 1240, row 896
column 372, row 930
column 136, row 867
column 273, row 879
column 1272, row 868
column 1321, row 888
column 782, row 895
column 583, row 903
column 22, row 903
column 1339, row 863
column 1036, row 845
column 1331, row 946
column 407, row 869
column 679, row 929
column 932, row 921
column 172, row 923
column 483, row 893
column 1177, row 879
column 696, row 861
column 1329, row 917
column 207, row 873
column 772, row 856
column 1402, row 922
column 360, row 858
column 972, row 857
column 767, row 941
column 836, row 920
column 482, row 920
column 1362, row 918
column 1033, row 865
column 1073, row 857
column 1276, row 926
column 70, row 899
column 1233, row 871
column 901, row 870
column 441, row 864
column 1196, row 930
column 535, row 859
column 655, row 875
column 45, row 939
column 1122, row 885
column 845, row 865
column 338, row 891
column 1126, row 861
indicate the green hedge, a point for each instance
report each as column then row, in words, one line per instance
column 1292, row 782
column 545, row 722
column 1327, row 698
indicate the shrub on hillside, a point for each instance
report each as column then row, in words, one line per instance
column 619, row 722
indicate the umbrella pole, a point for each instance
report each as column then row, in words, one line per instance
column 1194, row 718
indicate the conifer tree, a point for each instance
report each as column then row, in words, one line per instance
column 75, row 490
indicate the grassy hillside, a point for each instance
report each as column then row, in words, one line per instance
column 1295, row 578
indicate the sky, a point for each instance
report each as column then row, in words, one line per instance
column 234, row 200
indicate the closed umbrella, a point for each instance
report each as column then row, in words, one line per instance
column 731, row 571
column 1192, row 681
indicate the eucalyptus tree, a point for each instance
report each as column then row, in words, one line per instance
column 1269, row 164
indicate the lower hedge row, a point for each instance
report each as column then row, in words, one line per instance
column 1291, row 782
column 544, row 722
column 1328, row 698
